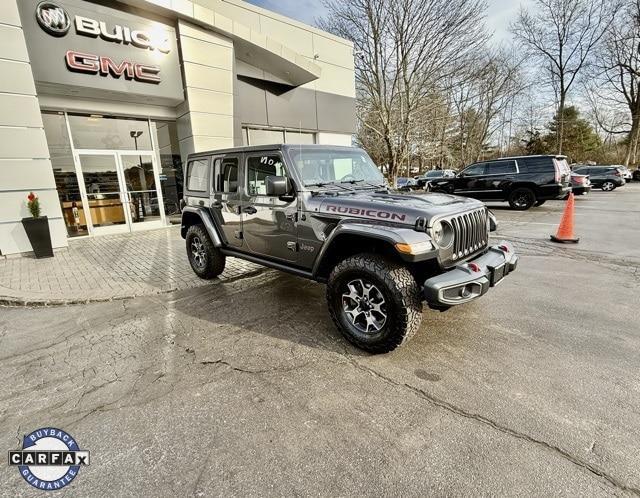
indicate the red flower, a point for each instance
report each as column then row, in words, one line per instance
column 31, row 196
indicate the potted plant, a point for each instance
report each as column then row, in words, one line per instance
column 37, row 228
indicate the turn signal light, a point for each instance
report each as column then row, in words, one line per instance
column 503, row 247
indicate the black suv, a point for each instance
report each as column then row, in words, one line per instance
column 522, row 181
column 325, row 213
column 607, row 178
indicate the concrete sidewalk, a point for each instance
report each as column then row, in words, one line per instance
column 106, row 268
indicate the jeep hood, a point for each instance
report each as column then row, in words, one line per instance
column 394, row 207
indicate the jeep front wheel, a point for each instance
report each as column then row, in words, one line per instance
column 206, row 260
column 374, row 302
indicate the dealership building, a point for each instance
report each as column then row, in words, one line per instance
column 101, row 101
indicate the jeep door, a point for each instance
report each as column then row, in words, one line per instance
column 269, row 223
column 225, row 198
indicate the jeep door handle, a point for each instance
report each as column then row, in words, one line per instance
column 250, row 210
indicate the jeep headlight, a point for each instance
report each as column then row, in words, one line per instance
column 442, row 234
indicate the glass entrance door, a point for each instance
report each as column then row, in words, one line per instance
column 104, row 204
column 119, row 191
column 142, row 193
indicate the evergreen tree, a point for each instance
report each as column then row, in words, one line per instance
column 581, row 143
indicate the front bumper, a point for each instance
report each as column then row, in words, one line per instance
column 470, row 280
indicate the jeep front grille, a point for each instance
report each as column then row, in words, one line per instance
column 471, row 233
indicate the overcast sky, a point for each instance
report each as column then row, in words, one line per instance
column 500, row 12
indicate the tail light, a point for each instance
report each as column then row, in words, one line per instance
column 558, row 175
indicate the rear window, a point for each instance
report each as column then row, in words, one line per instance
column 538, row 164
column 582, row 170
column 197, row 175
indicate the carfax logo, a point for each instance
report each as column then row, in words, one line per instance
column 49, row 459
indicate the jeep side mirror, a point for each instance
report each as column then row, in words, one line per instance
column 277, row 185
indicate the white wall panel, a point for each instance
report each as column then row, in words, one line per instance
column 19, row 110
column 25, row 174
column 13, row 205
column 25, row 143
column 16, row 77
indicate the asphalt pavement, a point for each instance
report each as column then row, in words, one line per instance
column 245, row 388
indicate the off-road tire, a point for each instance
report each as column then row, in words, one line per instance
column 402, row 297
column 522, row 199
column 540, row 203
column 210, row 263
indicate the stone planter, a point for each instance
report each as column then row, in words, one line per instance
column 38, row 233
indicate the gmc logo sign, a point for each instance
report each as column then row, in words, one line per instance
column 105, row 66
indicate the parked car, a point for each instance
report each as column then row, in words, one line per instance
column 636, row 174
column 626, row 172
column 406, row 184
column 524, row 181
column 607, row 178
column 580, row 184
column 425, row 180
column 325, row 213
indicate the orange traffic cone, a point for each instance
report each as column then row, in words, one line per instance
column 565, row 230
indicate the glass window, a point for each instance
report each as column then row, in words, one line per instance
column 171, row 170
column 265, row 137
column 475, row 170
column 102, row 132
column 198, row 175
column 297, row 137
column 64, row 172
column 435, row 174
column 229, row 170
column 259, row 167
column 502, row 168
column 327, row 165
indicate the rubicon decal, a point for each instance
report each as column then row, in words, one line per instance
column 49, row 459
column 368, row 213
column 105, row 66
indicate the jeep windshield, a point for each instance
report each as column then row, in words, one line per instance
column 326, row 166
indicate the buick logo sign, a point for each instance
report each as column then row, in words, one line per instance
column 53, row 18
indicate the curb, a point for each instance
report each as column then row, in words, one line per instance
column 18, row 302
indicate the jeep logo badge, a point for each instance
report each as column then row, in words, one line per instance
column 53, row 18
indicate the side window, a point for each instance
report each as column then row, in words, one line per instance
column 475, row 170
column 258, row 168
column 198, row 175
column 502, row 168
column 228, row 181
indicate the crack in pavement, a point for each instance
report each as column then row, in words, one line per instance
column 244, row 370
column 501, row 428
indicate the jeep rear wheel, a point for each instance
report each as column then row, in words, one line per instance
column 522, row 199
column 206, row 260
column 374, row 302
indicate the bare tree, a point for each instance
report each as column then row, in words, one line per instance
column 404, row 50
column 481, row 99
column 562, row 34
column 615, row 92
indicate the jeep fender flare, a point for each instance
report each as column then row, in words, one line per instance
column 389, row 234
column 188, row 214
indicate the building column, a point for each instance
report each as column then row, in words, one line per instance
column 205, row 120
column 25, row 164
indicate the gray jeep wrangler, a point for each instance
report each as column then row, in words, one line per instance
column 325, row 213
